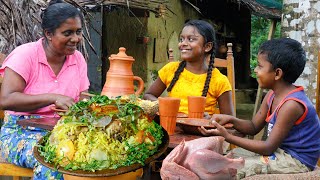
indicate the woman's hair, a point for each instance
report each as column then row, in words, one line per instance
column 286, row 54
column 206, row 30
column 56, row 13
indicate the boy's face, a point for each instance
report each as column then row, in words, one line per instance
column 264, row 71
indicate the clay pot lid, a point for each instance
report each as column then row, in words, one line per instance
column 121, row 55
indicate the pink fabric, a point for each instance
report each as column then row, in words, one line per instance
column 30, row 62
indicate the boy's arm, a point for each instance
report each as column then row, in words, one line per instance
column 288, row 114
column 248, row 127
column 259, row 119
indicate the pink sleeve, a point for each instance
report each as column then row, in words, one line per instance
column 20, row 61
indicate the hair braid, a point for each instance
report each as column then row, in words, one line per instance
column 175, row 78
column 209, row 74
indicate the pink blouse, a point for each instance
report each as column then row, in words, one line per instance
column 30, row 62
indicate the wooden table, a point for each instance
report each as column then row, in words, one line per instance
column 178, row 136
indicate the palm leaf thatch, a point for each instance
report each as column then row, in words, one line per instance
column 20, row 20
column 19, row 23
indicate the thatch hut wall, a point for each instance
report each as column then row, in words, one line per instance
column 19, row 23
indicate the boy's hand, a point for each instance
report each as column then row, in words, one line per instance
column 222, row 119
column 217, row 120
column 218, row 131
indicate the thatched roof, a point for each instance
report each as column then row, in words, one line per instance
column 261, row 10
column 254, row 6
column 151, row 5
column 19, row 23
column 20, row 19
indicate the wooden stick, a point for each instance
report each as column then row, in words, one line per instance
column 87, row 94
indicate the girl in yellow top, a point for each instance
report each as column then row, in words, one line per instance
column 193, row 76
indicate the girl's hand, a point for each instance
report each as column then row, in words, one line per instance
column 63, row 102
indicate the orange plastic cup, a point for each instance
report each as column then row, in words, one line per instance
column 196, row 106
column 168, row 111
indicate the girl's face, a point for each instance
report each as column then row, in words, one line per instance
column 66, row 37
column 191, row 44
column 264, row 71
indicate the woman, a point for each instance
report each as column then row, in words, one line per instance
column 193, row 76
column 37, row 76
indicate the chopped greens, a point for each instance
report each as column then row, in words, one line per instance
column 102, row 133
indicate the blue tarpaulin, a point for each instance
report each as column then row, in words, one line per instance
column 270, row 4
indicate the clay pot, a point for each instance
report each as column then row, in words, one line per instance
column 168, row 111
column 143, row 39
column 196, row 106
column 128, row 176
column 120, row 78
column 223, row 49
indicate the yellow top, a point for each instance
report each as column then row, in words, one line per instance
column 190, row 84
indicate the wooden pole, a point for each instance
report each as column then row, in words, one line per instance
column 260, row 90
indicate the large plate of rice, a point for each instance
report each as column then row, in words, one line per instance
column 103, row 137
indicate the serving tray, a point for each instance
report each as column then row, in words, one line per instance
column 106, row 172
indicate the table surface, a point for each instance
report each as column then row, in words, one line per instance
column 178, row 136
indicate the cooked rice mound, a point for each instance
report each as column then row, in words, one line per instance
column 102, row 133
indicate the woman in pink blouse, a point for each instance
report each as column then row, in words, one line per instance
column 38, row 75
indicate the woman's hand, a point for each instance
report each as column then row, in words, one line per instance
column 63, row 102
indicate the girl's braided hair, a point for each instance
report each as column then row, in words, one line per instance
column 207, row 31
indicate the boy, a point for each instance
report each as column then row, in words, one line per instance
column 293, row 143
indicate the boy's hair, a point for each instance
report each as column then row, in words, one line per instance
column 286, row 54
column 206, row 30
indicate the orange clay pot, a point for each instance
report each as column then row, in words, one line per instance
column 120, row 78
column 168, row 111
column 127, row 176
column 196, row 106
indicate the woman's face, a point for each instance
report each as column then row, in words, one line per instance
column 264, row 71
column 191, row 44
column 66, row 37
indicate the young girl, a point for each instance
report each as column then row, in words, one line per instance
column 293, row 143
column 193, row 76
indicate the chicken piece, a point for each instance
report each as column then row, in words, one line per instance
column 200, row 159
column 172, row 170
column 208, row 164
column 114, row 128
column 213, row 143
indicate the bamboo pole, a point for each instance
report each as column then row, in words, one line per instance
column 260, row 90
